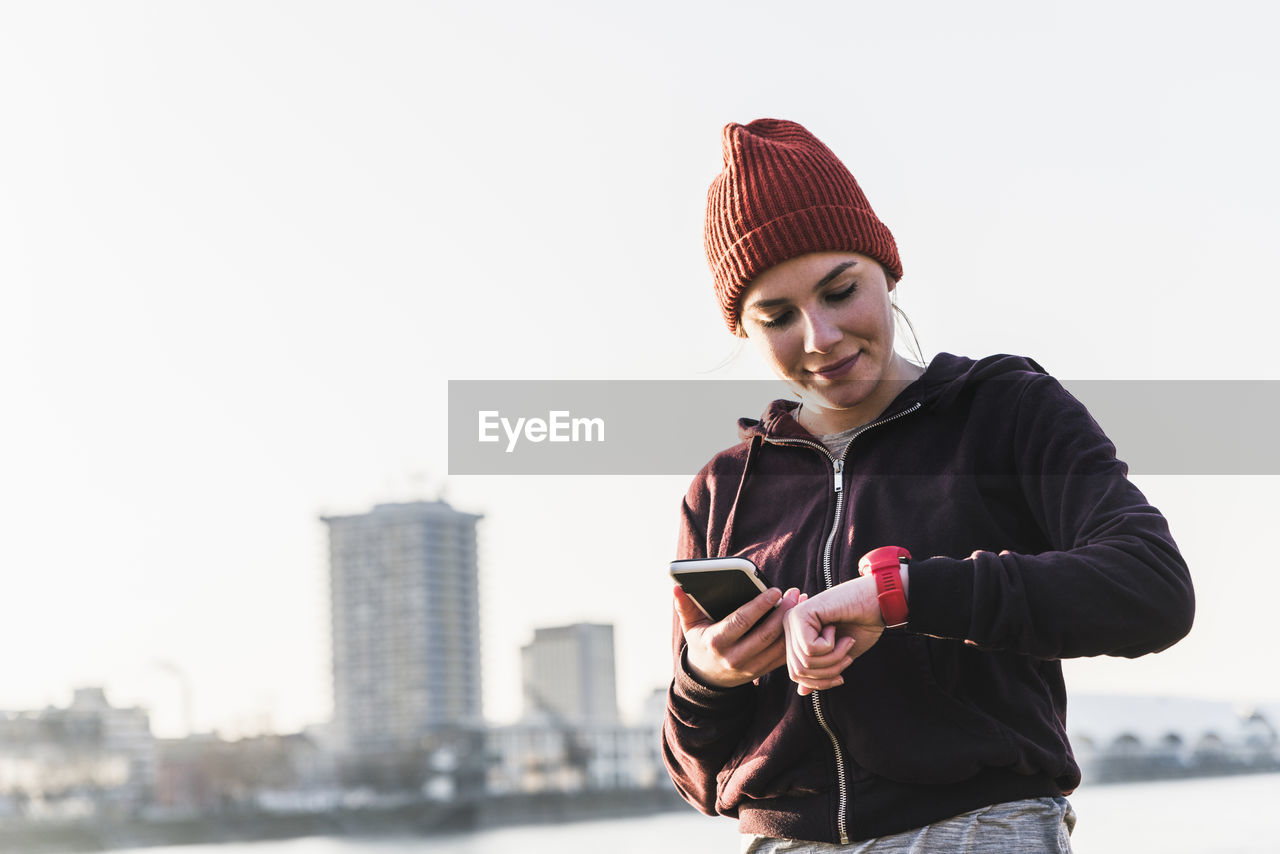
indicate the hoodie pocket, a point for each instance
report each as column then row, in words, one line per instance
column 901, row 723
column 781, row 754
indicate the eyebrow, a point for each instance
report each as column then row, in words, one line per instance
column 819, row 285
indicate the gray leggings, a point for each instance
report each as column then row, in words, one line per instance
column 1034, row 826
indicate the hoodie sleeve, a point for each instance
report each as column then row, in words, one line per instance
column 1113, row 582
column 704, row 726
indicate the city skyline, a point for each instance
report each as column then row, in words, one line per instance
column 247, row 246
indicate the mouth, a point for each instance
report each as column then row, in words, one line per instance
column 836, row 369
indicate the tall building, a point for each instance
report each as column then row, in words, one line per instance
column 406, row 624
column 569, row 675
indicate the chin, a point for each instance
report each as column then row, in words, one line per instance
column 855, row 393
column 834, row 405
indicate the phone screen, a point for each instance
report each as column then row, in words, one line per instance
column 718, row 586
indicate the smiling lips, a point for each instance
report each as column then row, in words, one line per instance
column 836, row 369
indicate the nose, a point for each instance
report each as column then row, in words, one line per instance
column 820, row 332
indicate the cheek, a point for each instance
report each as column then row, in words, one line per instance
column 878, row 321
column 775, row 348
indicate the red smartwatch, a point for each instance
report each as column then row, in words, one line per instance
column 885, row 564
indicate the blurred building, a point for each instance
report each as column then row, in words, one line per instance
column 569, row 675
column 540, row 757
column 570, row 739
column 405, row 625
column 89, row 759
column 1121, row 737
column 207, row 775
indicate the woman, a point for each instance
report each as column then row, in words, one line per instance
column 1006, row 538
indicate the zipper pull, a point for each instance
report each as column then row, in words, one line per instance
column 839, row 472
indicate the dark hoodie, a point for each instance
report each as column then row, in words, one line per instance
column 965, row 706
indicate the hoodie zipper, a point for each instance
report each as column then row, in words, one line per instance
column 837, row 473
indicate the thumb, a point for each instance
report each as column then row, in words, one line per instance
column 690, row 614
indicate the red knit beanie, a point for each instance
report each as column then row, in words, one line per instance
column 783, row 194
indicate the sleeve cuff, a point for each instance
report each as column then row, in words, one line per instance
column 691, row 693
column 940, row 597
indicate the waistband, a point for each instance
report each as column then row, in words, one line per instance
column 879, row 807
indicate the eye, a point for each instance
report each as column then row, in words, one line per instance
column 841, row 296
column 777, row 321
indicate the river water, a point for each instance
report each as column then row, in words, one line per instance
column 1227, row 815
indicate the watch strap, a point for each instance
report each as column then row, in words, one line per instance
column 885, row 566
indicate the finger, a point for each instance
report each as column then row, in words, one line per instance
column 805, row 687
column 816, row 640
column 801, row 630
column 771, row 628
column 688, row 611
column 768, row 661
column 824, row 667
column 811, row 675
column 831, row 659
column 759, row 662
column 820, row 683
column 796, row 659
column 790, row 599
column 733, row 627
column 813, row 681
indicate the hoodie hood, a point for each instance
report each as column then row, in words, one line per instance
column 943, row 383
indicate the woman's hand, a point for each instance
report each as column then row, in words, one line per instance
column 825, row 633
column 732, row 652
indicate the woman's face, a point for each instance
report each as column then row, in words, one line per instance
column 824, row 323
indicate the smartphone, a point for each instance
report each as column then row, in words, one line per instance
column 719, row 585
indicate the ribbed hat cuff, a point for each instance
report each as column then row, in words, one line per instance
column 827, row 228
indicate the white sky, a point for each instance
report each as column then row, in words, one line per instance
column 244, row 246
